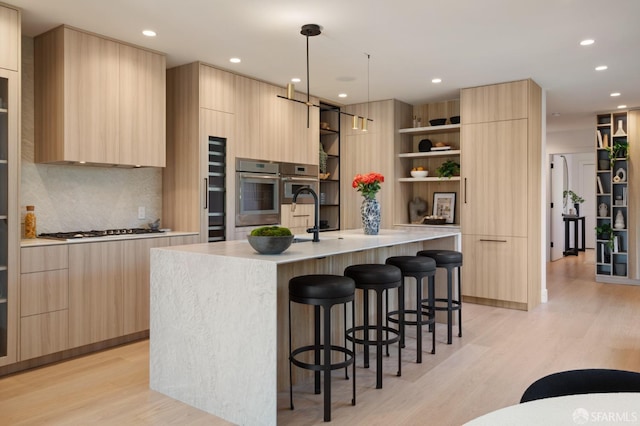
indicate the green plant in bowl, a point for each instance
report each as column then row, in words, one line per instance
column 448, row 169
column 270, row 239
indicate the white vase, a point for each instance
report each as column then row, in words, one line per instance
column 619, row 223
column 603, row 210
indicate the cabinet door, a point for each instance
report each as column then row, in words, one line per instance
column 495, row 268
column 95, row 292
column 300, row 220
column 44, row 334
column 136, row 282
column 10, row 38
column 494, row 169
column 248, row 117
column 44, row 258
column 142, row 106
column 217, row 89
column 91, row 109
column 505, row 101
column 42, row 292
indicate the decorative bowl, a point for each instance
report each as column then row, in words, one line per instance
column 419, row 173
column 437, row 121
column 270, row 245
column 425, row 145
column 455, row 119
column 434, row 221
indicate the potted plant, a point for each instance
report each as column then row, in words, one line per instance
column 605, row 232
column 270, row 239
column 448, row 169
column 575, row 199
column 619, row 149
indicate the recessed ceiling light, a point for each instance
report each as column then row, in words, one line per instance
column 342, row 95
column 149, row 33
column 621, row 106
column 587, row 42
column 295, row 80
column 436, row 80
column 614, row 94
column 235, row 60
column 601, row 67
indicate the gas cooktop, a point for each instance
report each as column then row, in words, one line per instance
column 94, row 234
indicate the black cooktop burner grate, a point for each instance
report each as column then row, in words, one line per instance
column 93, row 234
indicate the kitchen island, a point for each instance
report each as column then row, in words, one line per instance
column 219, row 328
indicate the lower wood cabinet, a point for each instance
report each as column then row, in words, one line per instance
column 495, row 268
column 44, row 334
column 95, row 292
column 298, row 221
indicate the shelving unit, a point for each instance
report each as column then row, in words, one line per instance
column 330, row 187
column 409, row 156
column 612, row 177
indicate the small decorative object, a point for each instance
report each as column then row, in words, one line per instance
column 419, row 173
column 448, row 169
column 444, row 206
column 620, row 131
column 619, row 201
column 270, row 239
column 603, row 164
column 322, row 163
column 154, row 226
column 417, row 210
column 437, row 121
column 434, row 220
column 575, row 199
column 455, row 119
column 369, row 185
column 425, row 145
column 621, row 174
column 619, row 223
column 603, row 210
column 324, row 125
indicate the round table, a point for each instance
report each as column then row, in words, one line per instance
column 585, row 409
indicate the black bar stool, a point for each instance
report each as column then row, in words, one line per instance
column 379, row 278
column 323, row 291
column 417, row 267
column 448, row 259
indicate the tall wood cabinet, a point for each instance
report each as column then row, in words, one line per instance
column 9, row 181
column 98, row 100
column 501, row 157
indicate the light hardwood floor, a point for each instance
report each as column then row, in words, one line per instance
column 502, row 351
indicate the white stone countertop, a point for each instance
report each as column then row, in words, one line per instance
column 331, row 243
column 49, row 242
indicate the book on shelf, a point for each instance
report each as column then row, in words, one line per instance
column 605, row 141
column 600, row 190
column 616, row 247
column 599, row 135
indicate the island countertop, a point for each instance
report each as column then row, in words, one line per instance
column 219, row 314
column 331, row 243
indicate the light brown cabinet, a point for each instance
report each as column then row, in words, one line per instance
column 501, row 159
column 298, row 221
column 10, row 38
column 98, row 101
column 95, row 292
column 44, row 301
column 9, row 182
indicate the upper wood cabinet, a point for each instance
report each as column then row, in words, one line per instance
column 497, row 102
column 98, row 101
column 10, row 36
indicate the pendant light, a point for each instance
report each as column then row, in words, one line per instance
column 312, row 30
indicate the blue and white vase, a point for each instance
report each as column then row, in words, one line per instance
column 370, row 211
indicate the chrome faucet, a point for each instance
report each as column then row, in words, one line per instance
column 316, row 211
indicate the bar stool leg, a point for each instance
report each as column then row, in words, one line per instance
column 290, row 367
column 432, row 312
column 365, row 309
column 460, row 302
column 379, row 340
column 419, row 320
column 449, row 305
column 353, row 347
column 327, row 365
column 346, row 368
column 316, row 321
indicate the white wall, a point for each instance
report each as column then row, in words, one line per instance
column 71, row 198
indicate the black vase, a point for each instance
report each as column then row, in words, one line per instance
column 577, row 207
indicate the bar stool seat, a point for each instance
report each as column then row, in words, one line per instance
column 449, row 260
column 322, row 291
column 378, row 278
column 417, row 267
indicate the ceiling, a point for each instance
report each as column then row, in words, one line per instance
column 464, row 42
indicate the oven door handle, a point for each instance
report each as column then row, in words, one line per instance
column 304, row 179
column 255, row 176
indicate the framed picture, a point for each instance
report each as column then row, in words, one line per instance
column 444, row 204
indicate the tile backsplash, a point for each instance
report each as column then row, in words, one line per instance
column 69, row 198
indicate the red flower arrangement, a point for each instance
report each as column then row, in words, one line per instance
column 368, row 184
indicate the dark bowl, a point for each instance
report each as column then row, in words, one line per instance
column 437, row 121
column 424, row 145
column 455, row 119
column 270, row 245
